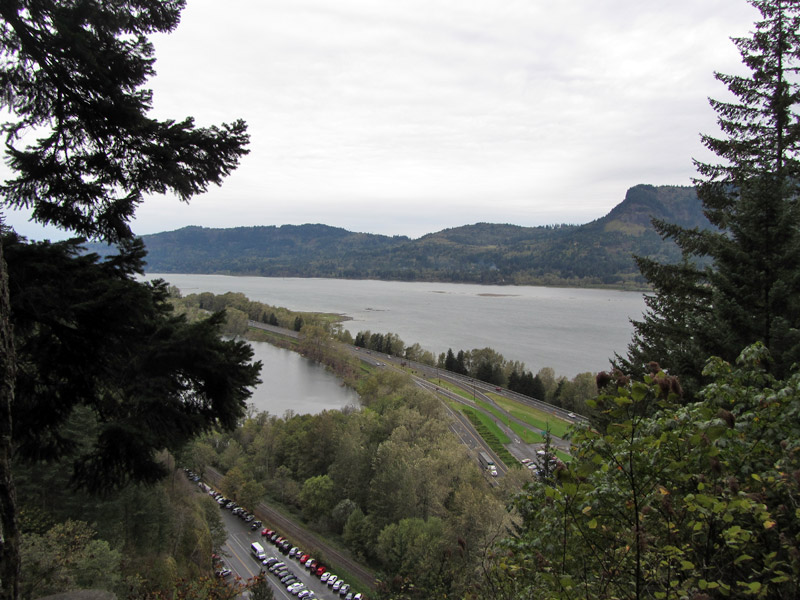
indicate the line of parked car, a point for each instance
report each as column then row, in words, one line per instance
column 272, row 564
column 235, row 509
column 290, row 579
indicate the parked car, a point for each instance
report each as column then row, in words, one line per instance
column 344, row 589
column 324, row 577
column 358, row 596
column 349, row 595
column 319, row 570
column 332, row 579
column 337, row 585
column 266, row 532
column 304, row 558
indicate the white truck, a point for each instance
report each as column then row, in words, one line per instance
column 258, row 551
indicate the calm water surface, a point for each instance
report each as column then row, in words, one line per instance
column 570, row 330
column 293, row 383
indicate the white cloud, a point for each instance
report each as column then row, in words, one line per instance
column 409, row 117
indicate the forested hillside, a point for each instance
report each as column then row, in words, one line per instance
column 597, row 253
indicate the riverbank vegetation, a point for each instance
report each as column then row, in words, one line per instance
column 320, row 331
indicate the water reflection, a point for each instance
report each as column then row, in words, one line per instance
column 292, row 382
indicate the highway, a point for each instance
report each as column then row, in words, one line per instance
column 425, row 376
column 430, row 378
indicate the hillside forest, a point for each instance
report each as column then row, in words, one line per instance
column 595, row 254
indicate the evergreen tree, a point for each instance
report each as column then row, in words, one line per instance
column 461, row 363
column 450, row 361
column 740, row 282
column 537, row 388
column 71, row 78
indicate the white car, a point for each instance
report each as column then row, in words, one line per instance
column 332, row 579
column 295, row 588
column 324, row 577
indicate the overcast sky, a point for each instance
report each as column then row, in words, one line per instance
column 408, row 117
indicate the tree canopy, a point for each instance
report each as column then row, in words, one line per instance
column 82, row 147
column 84, row 153
column 740, row 282
column 670, row 501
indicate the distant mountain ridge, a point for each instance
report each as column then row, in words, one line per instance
column 597, row 253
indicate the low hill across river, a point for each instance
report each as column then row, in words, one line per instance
column 599, row 253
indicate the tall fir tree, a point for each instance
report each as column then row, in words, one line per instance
column 740, row 282
column 84, row 153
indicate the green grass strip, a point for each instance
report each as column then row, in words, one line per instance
column 479, row 422
column 526, row 435
column 533, row 417
column 488, row 423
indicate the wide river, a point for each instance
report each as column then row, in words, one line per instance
column 571, row 330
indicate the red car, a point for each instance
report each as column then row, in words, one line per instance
column 265, row 532
column 319, row 570
column 304, row 558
